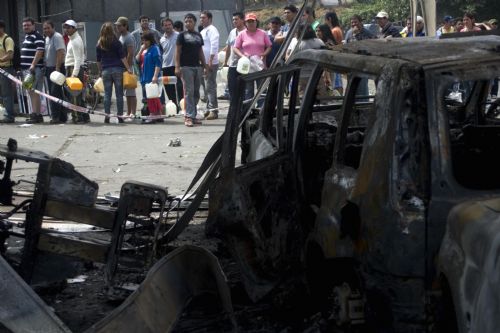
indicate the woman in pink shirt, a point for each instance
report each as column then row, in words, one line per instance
column 252, row 42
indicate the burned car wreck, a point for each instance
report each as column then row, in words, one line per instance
column 384, row 200
column 377, row 209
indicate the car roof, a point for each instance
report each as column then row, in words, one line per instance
column 426, row 51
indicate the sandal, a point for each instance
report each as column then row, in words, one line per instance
column 188, row 122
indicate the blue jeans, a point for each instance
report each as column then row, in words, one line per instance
column 110, row 76
column 7, row 93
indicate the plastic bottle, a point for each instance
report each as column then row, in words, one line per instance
column 170, row 109
column 243, row 66
column 152, row 90
column 28, row 81
column 169, row 79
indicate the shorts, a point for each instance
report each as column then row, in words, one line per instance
column 129, row 92
column 39, row 76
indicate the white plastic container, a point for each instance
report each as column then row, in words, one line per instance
column 169, row 79
column 170, row 109
column 221, row 88
column 153, row 90
column 243, row 66
column 221, row 56
column 223, row 72
column 99, row 85
column 58, row 78
column 222, row 75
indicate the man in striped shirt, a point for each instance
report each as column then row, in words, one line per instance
column 32, row 51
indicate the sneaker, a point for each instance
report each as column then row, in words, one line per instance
column 7, row 121
column 223, row 97
column 188, row 122
column 212, row 116
column 197, row 121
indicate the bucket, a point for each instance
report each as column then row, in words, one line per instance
column 243, row 66
column 99, row 85
column 153, row 90
column 129, row 81
column 57, row 77
column 170, row 109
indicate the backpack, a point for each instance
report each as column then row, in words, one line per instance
column 16, row 59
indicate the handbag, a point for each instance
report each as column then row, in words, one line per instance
column 129, row 81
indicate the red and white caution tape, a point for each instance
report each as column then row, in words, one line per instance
column 77, row 108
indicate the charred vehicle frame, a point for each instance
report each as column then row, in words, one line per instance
column 387, row 203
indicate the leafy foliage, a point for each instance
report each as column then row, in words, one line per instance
column 398, row 10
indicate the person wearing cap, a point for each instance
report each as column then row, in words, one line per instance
column 32, row 51
column 274, row 30
column 447, row 26
column 232, row 58
column 75, row 58
column 408, row 30
column 55, row 51
column 128, row 43
column 210, row 36
column 493, row 24
column 252, row 42
column 388, row 29
column 189, row 60
column 6, row 85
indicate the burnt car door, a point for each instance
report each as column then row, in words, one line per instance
column 253, row 203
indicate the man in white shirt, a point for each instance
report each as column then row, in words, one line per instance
column 168, row 43
column 232, row 58
column 55, row 51
column 210, row 36
column 75, row 58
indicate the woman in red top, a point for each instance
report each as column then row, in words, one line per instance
column 332, row 20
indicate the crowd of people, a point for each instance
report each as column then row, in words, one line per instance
column 187, row 51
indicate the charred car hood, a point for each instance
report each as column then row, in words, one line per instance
column 470, row 256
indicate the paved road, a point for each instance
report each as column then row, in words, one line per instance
column 111, row 154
